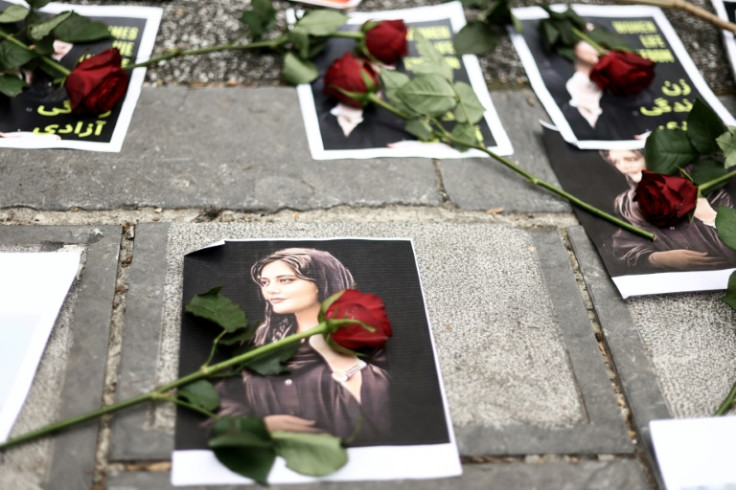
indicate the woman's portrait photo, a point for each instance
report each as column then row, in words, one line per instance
column 690, row 245
column 387, row 400
column 607, row 179
column 325, row 391
column 593, row 118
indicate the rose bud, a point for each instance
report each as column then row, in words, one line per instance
column 97, row 83
column 665, row 199
column 366, row 308
column 385, row 40
column 349, row 79
column 622, row 73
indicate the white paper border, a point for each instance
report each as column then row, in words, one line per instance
column 200, row 467
column 554, row 111
column 728, row 38
column 695, row 453
column 58, row 270
column 454, row 12
column 152, row 15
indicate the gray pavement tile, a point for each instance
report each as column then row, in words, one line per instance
column 588, row 475
column 71, row 375
column 483, row 183
column 519, row 361
column 234, row 148
column 674, row 353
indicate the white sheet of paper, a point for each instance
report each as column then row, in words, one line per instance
column 696, row 453
column 32, row 289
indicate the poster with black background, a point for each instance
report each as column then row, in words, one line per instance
column 415, row 423
column 379, row 133
column 726, row 9
column 40, row 117
column 694, row 257
column 614, row 122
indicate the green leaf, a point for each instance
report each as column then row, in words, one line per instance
column 707, row 170
column 428, row 94
column 727, row 143
column 273, row 362
column 549, row 34
column 298, row 71
column 475, row 38
column 201, row 393
column 322, row 22
column 608, row 39
column 392, row 81
column 37, row 4
column 261, row 19
column 11, row 85
column 218, row 308
column 310, row 454
column 79, row 29
column 13, row 56
column 300, row 40
column 244, row 446
column 668, row 149
column 469, row 108
column 464, row 132
column 703, row 127
column 498, row 13
column 432, row 60
column 14, row 13
column 730, row 297
column 420, row 128
column 726, row 225
column 37, row 31
column 239, row 337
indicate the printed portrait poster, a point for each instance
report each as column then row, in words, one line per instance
column 41, row 117
column 687, row 257
column 592, row 119
column 399, row 425
column 335, row 130
column 726, row 10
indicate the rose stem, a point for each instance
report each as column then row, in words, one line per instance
column 44, row 59
column 275, row 44
column 448, row 137
column 690, row 9
column 704, row 187
column 584, row 37
column 728, row 402
column 159, row 393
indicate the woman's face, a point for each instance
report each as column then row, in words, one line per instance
column 286, row 292
column 629, row 163
column 586, row 53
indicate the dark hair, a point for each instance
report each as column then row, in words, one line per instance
column 310, row 264
column 606, row 154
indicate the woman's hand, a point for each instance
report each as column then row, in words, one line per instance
column 290, row 423
column 686, row 259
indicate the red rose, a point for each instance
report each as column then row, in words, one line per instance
column 364, row 307
column 97, row 83
column 385, row 40
column 623, row 73
column 350, row 74
column 665, row 199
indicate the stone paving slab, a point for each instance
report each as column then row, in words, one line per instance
column 521, row 368
column 674, row 353
column 588, row 475
column 234, row 148
column 70, row 378
column 483, row 183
